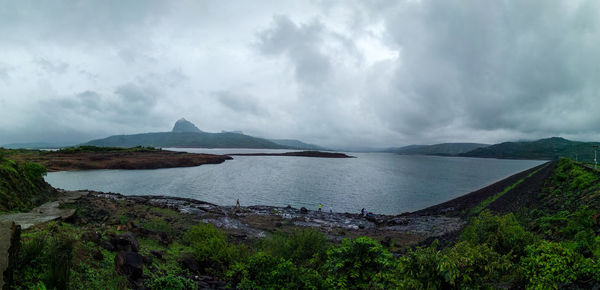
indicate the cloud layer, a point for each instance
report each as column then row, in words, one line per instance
column 347, row 73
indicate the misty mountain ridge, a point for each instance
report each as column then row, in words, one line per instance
column 545, row 149
column 186, row 134
column 437, row 149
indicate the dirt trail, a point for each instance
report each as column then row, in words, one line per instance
column 46, row 212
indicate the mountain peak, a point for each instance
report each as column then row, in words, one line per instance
column 183, row 125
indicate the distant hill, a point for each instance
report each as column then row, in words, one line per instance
column 297, row 144
column 33, row 145
column 437, row 149
column 546, row 149
column 186, row 139
column 186, row 134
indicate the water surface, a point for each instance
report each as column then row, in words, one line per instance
column 381, row 182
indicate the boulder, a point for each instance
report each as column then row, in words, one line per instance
column 130, row 264
column 303, row 210
column 125, row 242
column 189, row 263
column 91, row 236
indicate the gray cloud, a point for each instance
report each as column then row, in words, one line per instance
column 360, row 73
column 240, row 103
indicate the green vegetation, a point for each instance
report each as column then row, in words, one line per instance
column 22, row 185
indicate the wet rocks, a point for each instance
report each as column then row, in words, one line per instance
column 189, row 263
column 91, row 236
column 125, row 242
column 303, row 210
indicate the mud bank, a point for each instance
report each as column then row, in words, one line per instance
column 58, row 161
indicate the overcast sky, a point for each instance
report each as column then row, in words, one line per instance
column 334, row 73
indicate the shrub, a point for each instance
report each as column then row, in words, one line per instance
column 479, row 265
column 426, row 268
column 550, row 265
column 503, row 234
column 264, row 271
column 169, row 281
column 304, row 247
column 34, row 172
column 359, row 264
column 210, row 248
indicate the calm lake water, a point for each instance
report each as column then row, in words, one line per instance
column 381, row 182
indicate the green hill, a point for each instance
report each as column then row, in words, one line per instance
column 438, row 149
column 186, row 139
column 545, row 149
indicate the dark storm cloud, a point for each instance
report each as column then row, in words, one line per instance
column 352, row 73
column 299, row 43
column 504, row 65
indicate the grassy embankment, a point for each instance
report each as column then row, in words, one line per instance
column 553, row 245
column 22, row 185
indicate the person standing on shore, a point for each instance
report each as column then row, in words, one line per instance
column 320, row 206
column 237, row 203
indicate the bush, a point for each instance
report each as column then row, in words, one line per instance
column 359, row 264
column 169, row 281
column 210, row 248
column 426, row 268
column 550, row 265
column 34, row 172
column 303, row 247
column 503, row 234
column 264, row 271
column 479, row 265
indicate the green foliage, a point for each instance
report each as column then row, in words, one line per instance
column 503, row 234
column 461, row 266
column 426, row 268
column 47, row 258
column 34, row 172
column 210, row 248
column 158, row 224
column 552, row 265
column 304, row 247
column 264, row 271
column 169, row 279
column 359, row 264
column 22, row 186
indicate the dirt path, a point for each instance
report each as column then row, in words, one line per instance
column 46, row 212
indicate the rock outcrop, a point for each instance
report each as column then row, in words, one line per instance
column 183, row 125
